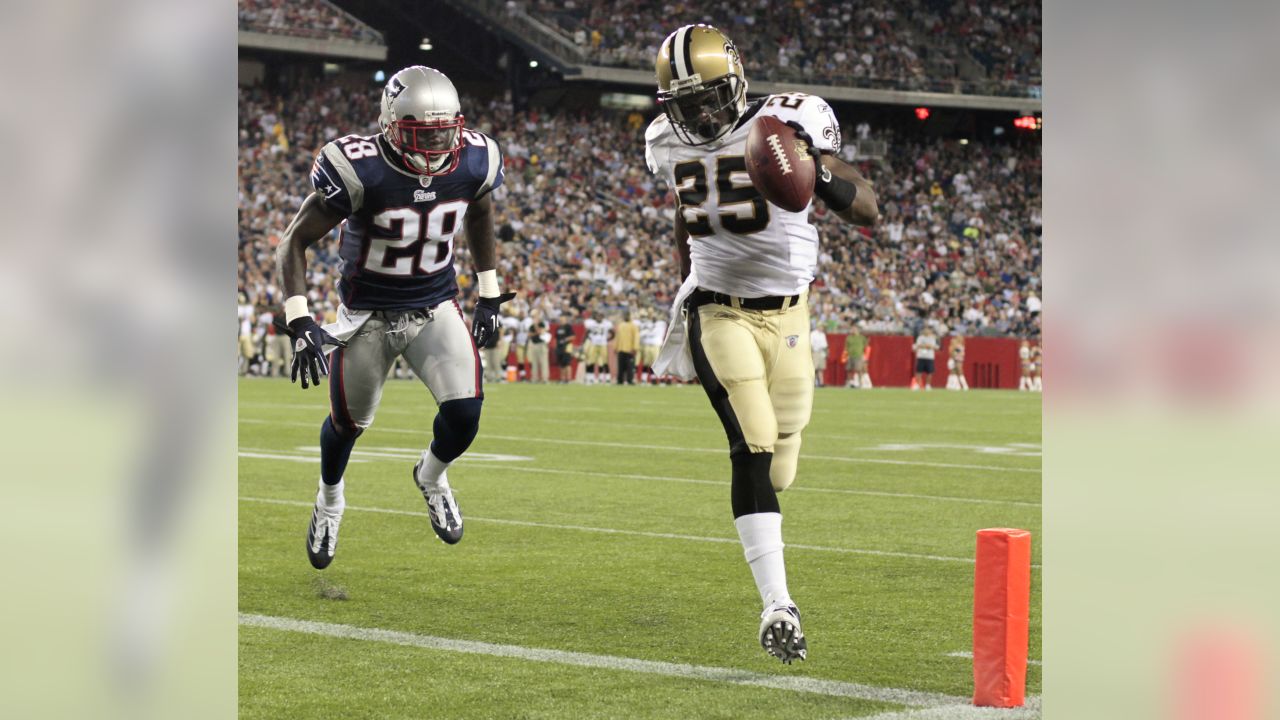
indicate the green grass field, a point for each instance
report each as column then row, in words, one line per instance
column 599, row 534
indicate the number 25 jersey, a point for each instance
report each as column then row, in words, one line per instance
column 396, row 244
column 741, row 244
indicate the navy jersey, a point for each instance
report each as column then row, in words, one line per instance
column 397, row 241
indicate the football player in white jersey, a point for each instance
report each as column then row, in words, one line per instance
column 599, row 330
column 741, row 319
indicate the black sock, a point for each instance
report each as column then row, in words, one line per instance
column 752, row 490
column 335, row 451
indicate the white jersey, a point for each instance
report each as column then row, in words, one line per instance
column 925, row 346
column 818, row 341
column 657, row 330
column 741, row 244
column 598, row 330
column 509, row 325
column 245, row 315
column 522, row 330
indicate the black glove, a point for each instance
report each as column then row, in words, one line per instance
column 835, row 191
column 484, row 323
column 309, row 340
column 802, row 134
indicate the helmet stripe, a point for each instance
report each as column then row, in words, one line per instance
column 671, row 54
column 687, row 45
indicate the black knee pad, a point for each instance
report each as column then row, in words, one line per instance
column 342, row 431
column 462, row 414
column 455, row 427
column 751, row 490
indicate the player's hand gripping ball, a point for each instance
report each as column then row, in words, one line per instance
column 780, row 164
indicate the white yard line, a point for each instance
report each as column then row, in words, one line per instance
column 673, row 448
column 733, row 676
column 266, row 454
column 636, row 533
column 969, row 655
column 792, row 489
column 289, row 458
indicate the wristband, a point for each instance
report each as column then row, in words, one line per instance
column 487, row 283
column 295, row 307
column 834, row 190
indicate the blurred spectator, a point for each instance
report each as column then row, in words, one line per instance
column 818, row 344
column 582, row 223
column 304, row 18
column 935, row 45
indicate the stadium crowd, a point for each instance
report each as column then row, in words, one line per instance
column 583, row 226
column 937, row 45
column 303, row 18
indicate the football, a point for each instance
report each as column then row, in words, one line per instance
column 781, row 172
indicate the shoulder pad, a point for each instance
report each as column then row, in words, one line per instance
column 654, row 136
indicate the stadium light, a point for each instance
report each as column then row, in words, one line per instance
column 922, row 113
column 533, row 63
column 964, row 141
column 379, row 76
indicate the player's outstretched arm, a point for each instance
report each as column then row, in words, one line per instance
column 313, row 221
column 484, row 254
column 865, row 208
column 840, row 185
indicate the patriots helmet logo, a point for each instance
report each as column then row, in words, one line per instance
column 792, row 340
column 394, row 88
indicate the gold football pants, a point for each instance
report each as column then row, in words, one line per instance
column 757, row 370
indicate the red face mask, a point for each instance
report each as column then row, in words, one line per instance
column 433, row 140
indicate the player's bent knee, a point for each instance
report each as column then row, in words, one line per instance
column 786, row 456
column 348, row 431
column 462, row 414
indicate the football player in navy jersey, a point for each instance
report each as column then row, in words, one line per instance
column 401, row 196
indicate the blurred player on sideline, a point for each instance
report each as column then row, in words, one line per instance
column 650, row 341
column 741, row 319
column 403, row 194
column 955, row 365
column 596, row 348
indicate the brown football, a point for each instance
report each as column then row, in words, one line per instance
column 781, row 172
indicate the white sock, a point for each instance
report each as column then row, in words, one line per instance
column 332, row 494
column 761, row 536
column 431, row 473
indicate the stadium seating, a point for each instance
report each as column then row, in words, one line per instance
column 582, row 223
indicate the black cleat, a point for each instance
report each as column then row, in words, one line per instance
column 780, row 633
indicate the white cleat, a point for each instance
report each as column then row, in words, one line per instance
column 780, row 633
column 322, row 533
column 442, row 509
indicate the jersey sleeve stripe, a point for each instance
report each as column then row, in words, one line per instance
column 495, row 163
column 348, row 174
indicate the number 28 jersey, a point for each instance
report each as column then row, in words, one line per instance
column 396, row 244
column 741, row 244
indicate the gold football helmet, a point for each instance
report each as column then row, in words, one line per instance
column 701, row 86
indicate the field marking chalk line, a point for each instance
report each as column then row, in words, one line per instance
column 793, row 683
